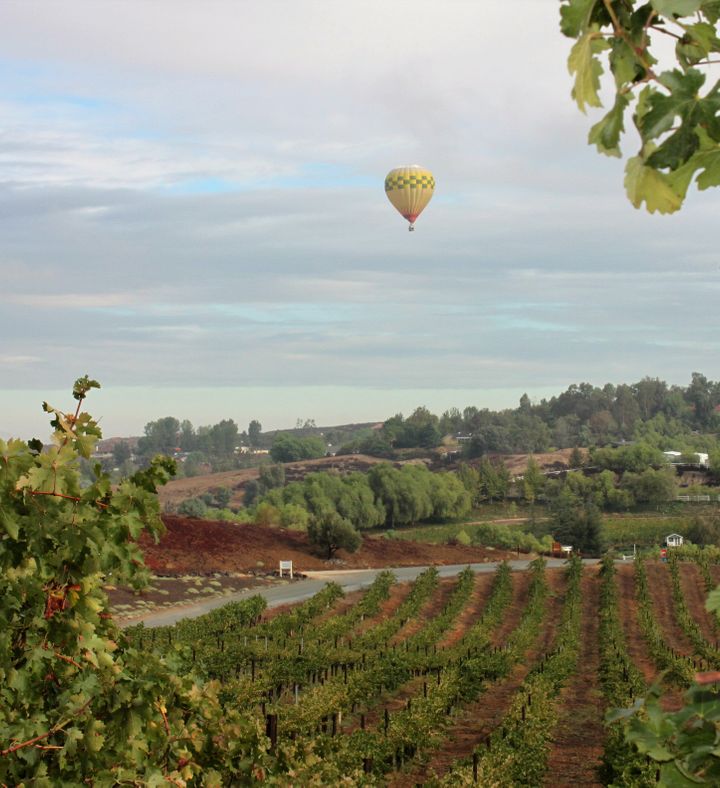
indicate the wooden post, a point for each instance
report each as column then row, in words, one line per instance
column 387, row 720
column 475, row 767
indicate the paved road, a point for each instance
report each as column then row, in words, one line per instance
column 350, row 580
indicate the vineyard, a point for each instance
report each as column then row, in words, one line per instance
column 482, row 679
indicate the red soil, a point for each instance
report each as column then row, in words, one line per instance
column 660, row 584
column 477, row 720
column 580, row 733
column 193, row 546
column 634, row 640
column 693, row 588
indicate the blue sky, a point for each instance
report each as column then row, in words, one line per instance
column 191, row 201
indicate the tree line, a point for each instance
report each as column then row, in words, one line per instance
column 584, row 415
column 335, row 509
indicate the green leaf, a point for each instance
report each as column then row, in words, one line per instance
column 676, row 149
column 711, row 10
column 587, row 69
column 663, row 109
column 711, row 174
column 9, row 523
column 644, row 184
column 575, row 16
column 624, row 64
column 82, row 386
column 707, row 159
column 672, row 8
column 672, row 777
column 605, row 134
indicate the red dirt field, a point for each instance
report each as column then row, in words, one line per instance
column 476, row 720
column 193, row 546
column 693, row 588
column 580, row 733
column 636, row 646
column 409, row 690
column 660, row 583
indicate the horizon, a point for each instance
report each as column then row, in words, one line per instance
column 116, row 411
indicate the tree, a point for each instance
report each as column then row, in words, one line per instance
column 576, row 459
column 333, row 532
column 678, row 124
column 161, row 437
column 253, row 432
column 577, row 523
column 224, row 436
column 80, row 705
column 651, row 486
column 287, row 448
column 121, row 453
column 705, row 530
column 533, row 480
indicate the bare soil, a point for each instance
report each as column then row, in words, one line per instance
column 476, row 721
column 693, row 588
column 580, row 733
column 169, row 591
column 548, row 461
column 194, row 546
column 660, row 583
column 636, row 646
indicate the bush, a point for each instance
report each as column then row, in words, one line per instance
column 268, row 515
column 193, row 507
column 333, row 533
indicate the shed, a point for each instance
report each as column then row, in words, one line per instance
column 674, row 540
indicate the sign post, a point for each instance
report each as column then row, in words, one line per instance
column 286, row 565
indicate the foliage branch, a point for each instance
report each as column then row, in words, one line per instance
column 77, row 702
column 673, row 109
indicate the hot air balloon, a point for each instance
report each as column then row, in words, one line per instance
column 410, row 189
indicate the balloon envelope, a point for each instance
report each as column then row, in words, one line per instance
column 409, row 189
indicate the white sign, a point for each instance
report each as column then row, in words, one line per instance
column 286, row 565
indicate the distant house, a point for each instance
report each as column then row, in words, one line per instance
column 674, row 457
column 674, row 540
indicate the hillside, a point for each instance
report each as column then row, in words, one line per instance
column 180, row 489
column 196, row 546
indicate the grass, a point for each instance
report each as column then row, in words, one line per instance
column 644, row 528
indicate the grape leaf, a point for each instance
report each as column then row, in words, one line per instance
column 670, row 8
column 575, row 16
column 605, row 134
column 587, row 69
column 643, row 184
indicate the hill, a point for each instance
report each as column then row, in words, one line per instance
column 196, row 546
column 180, row 489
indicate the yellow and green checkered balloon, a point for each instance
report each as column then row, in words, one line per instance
column 409, row 189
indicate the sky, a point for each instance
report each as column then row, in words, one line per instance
column 192, row 212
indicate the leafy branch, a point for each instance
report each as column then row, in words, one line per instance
column 677, row 123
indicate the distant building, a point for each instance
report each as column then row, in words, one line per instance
column 674, row 540
column 674, row 457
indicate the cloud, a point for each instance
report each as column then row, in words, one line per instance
column 202, row 201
